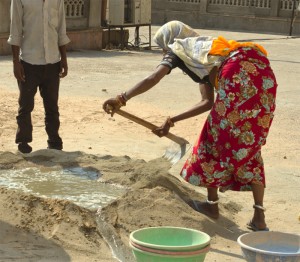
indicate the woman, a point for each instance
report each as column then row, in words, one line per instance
column 227, row 155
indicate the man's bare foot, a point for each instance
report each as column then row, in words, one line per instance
column 210, row 210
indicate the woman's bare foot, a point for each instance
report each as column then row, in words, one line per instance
column 258, row 222
column 210, row 210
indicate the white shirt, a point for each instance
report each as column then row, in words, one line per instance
column 39, row 28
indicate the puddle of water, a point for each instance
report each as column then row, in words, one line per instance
column 76, row 184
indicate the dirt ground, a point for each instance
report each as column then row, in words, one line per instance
column 38, row 229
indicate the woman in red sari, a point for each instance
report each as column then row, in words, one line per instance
column 228, row 152
column 227, row 155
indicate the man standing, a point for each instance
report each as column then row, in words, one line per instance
column 38, row 39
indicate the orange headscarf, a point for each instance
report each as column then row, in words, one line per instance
column 223, row 47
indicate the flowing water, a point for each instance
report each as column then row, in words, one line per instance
column 76, row 184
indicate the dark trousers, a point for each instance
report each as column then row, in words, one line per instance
column 46, row 78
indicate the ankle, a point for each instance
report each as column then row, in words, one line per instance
column 259, row 215
column 259, row 211
column 212, row 202
column 212, row 207
column 259, row 207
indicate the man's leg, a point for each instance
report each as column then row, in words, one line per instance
column 27, row 91
column 49, row 91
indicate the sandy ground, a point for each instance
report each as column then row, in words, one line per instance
column 38, row 229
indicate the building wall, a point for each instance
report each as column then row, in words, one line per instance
column 265, row 16
column 4, row 16
column 83, row 18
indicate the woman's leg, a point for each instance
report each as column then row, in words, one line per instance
column 212, row 204
column 210, row 207
column 258, row 217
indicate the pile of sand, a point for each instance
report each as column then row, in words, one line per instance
column 58, row 230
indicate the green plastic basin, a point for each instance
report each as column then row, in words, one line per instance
column 170, row 238
column 144, row 256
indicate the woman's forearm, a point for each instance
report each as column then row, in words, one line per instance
column 140, row 87
column 148, row 82
column 197, row 109
column 206, row 103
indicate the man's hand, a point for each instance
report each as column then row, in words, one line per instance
column 19, row 71
column 63, row 68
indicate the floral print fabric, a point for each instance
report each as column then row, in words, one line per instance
column 227, row 154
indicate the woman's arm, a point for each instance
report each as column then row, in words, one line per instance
column 148, row 82
column 110, row 106
column 205, row 104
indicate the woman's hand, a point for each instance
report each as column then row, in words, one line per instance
column 111, row 105
column 163, row 130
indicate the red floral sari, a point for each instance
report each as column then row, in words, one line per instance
column 228, row 152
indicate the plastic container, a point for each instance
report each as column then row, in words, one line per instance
column 270, row 246
column 170, row 238
column 173, row 252
column 166, row 256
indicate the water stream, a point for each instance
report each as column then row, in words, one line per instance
column 76, row 184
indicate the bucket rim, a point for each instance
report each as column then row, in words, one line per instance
column 183, row 248
column 266, row 252
column 168, row 252
column 134, row 249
